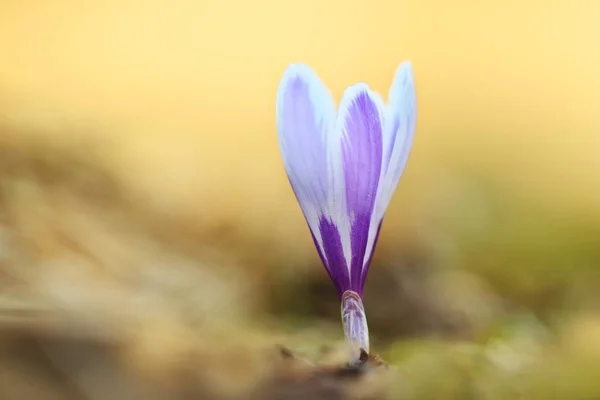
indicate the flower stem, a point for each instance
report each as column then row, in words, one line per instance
column 354, row 320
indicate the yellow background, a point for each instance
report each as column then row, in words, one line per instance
column 185, row 91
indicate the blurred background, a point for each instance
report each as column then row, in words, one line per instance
column 150, row 244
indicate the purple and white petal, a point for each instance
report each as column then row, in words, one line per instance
column 360, row 125
column 398, row 133
column 399, row 126
column 305, row 122
column 344, row 170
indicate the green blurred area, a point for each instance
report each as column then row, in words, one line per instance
column 143, row 199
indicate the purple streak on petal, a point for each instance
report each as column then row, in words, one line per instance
column 361, row 147
column 359, row 237
column 367, row 264
column 333, row 256
column 360, row 120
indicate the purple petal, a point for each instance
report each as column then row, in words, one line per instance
column 305, row 122
column 360, row 123
column 369, row 252
column 398, row 133
column 305, row 116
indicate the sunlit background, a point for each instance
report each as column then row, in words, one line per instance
column 148, row 227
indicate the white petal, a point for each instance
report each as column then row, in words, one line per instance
column 398, row 133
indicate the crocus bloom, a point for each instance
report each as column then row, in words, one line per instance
column 344, row 166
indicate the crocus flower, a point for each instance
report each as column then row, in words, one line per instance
column 344, row 166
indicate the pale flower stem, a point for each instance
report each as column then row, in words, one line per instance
column 354, row 320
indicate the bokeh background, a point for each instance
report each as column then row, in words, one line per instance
column 149, row 235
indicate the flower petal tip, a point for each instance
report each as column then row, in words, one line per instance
column 300, row 83
column 298, row 70
column 405, row 67
column 403, row 84
column 356, row 91
column 404, row 72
